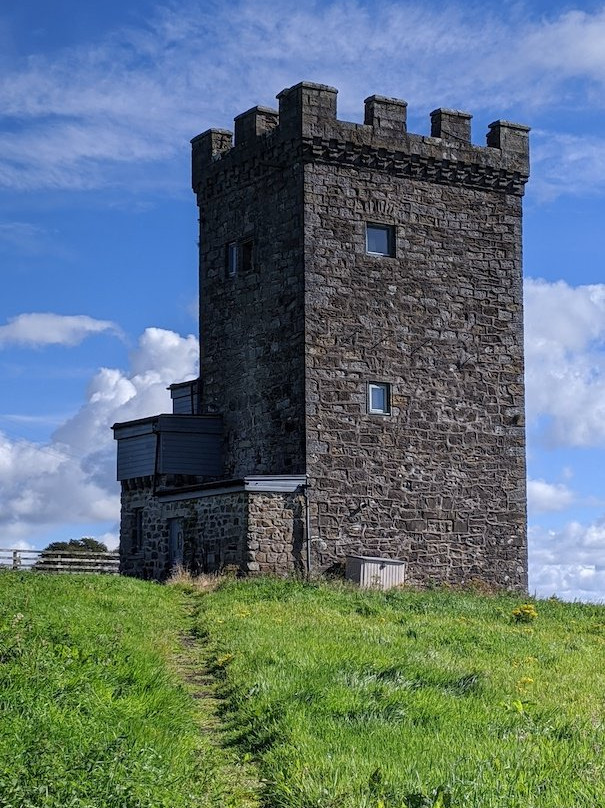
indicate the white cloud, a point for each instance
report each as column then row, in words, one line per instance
column 98, row 114
column 573, row 45
column 567, row 164
column 110, row 540
column 46, row 420
column 23, row 235
column 45, row 485
column 52, row 329
column 71, row 480
column 543, row 496
column 565, row 362
column 22, row 545
column 569, row 562
column 162, row 357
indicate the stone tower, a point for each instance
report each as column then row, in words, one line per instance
column 361, row 349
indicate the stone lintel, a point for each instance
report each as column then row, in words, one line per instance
column 285, row 484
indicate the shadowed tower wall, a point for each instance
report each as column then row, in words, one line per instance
column 252, row 293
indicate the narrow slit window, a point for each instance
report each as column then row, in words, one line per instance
column 239, row 257
column 246, row 256
column 379, row 398
column 380, row 239
column 136, row 538
column 232, row 259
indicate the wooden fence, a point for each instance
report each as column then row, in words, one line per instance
column 59, row 561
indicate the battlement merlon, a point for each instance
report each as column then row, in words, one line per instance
column 387, row 116
column 511, row 138
column 205, row 148
column 253, row 123
column 307, row 115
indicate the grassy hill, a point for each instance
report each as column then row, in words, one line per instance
column 331, row 697
column 95, row 707
column 406, row 698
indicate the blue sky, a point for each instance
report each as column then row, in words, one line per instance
column 98, row 259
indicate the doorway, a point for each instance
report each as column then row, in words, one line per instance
column 176, row 545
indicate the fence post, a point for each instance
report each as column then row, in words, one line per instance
column 16, row 560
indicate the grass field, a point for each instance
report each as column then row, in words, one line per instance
column 92, row 711
column 330, row 697
column 408, row 699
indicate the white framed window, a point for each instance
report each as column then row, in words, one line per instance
column 379, row 398
column 380, row 239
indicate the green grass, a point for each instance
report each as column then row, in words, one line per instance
column 333, row 697
column 92, row 711
column 404, row 699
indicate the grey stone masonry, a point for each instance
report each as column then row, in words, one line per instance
column 361, row 333
column 235, row 525
column 291, row 341
column 252, row 321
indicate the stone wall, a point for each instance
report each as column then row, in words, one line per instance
column 440, row 482
column 255, row 532
column 276, row 533
column 251, row 324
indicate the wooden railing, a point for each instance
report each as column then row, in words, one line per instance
column 59, row 561
column 18, row 559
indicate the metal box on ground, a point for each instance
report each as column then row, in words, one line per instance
column 373, row 572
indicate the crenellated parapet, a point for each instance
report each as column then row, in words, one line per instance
column 306, row 127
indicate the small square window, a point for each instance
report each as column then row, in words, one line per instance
column 379, row 398
column 380, row 239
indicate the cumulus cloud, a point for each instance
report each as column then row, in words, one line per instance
column 71, row 480
column 543, row 496
column 111, row 539
column 569, row 562
column 52, row 329
column 565, row 362
column 93, row 115
column 565, row 385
